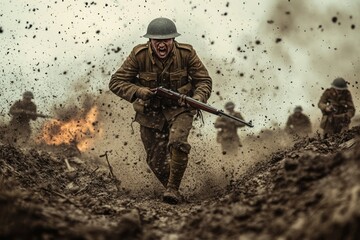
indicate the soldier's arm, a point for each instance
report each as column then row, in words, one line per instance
column 350, row 106
column 32, row 113
column 220, row 123
column 237, row 123
column 289, row 124
column 122, row 82
column 15, row 109
column 202, row 82
column 323, row 102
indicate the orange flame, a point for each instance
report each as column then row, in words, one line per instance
column 79, row 131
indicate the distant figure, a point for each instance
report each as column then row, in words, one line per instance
column 298, row 124
column 22, row 111
column 227, row 135
column 337, row 108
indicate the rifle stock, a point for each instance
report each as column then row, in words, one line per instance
column 163, row 92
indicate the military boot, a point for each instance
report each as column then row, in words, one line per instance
column 178, row 165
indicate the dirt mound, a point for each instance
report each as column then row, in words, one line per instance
column 310, row 191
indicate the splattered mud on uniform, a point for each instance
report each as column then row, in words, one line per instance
column 164, row 125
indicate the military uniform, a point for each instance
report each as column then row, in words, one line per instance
column 298, row 124
column 164, row 125
column 343, row 110
column 19, row 129
column 227, row 135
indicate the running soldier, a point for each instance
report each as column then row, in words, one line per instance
column 227, row 135
column 298, row 124
column 22, row 111
column 337, row 108
column 164, row 124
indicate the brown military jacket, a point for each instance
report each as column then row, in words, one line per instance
column 298, row 123
column 183, row 72
column 342, row 103
column 228, row 127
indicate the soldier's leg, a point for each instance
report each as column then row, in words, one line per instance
column 179, row 150
column 328, row 130
column 155, row 143
column 228, row 146
column 25, row 135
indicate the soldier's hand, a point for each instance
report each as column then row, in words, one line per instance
column 182, row 101
column 342, row 117
column 329, row 109
column 197, row 98
column 144, row 93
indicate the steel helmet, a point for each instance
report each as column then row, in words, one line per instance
column 339, row 83
column 28, row 94
column 298, row 109
column 161, row 28
column 229, row 105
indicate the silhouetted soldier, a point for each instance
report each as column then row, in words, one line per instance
column 22, row 111
column 298, row 123
column 337, row 108
column 227, row 135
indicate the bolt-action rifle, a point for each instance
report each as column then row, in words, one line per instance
column 30, row 113
column 40, row 115
column 166, row 93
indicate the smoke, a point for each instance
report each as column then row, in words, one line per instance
column 316, row 43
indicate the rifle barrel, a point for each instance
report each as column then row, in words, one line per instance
column 167, row 93
column 249, row 124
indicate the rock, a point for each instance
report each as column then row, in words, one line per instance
column 129, row 225
column 291, row 164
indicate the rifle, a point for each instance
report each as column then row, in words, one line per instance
column 43, row 115
column 166, row 93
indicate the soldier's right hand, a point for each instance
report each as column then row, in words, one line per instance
column 144, row 93
column 329, row 109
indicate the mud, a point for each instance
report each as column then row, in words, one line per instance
column 308, row 191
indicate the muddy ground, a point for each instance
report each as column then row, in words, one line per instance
column 308, row 191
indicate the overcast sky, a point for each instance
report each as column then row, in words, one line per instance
column 266, row 57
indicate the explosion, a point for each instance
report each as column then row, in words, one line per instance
column 79, row 131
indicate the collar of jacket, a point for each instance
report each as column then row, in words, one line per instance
column 153, row 55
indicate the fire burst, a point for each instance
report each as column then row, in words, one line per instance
column 79, row 131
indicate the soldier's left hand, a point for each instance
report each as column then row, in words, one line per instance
column 197, row 98
column 182, row 101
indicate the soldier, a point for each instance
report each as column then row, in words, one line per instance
column 22, row 111
column 337, row 108
column 227, row 135
column 164, row 124
column 298, row 123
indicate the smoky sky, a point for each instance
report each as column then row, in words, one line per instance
column 266, row 57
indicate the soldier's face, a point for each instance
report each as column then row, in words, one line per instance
column 229, row 109
column 27, row 99
column 162, row 47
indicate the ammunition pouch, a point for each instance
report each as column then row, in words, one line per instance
column 141, row 106
column 147, row 116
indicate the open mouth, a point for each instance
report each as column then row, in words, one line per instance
column 162, row 51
